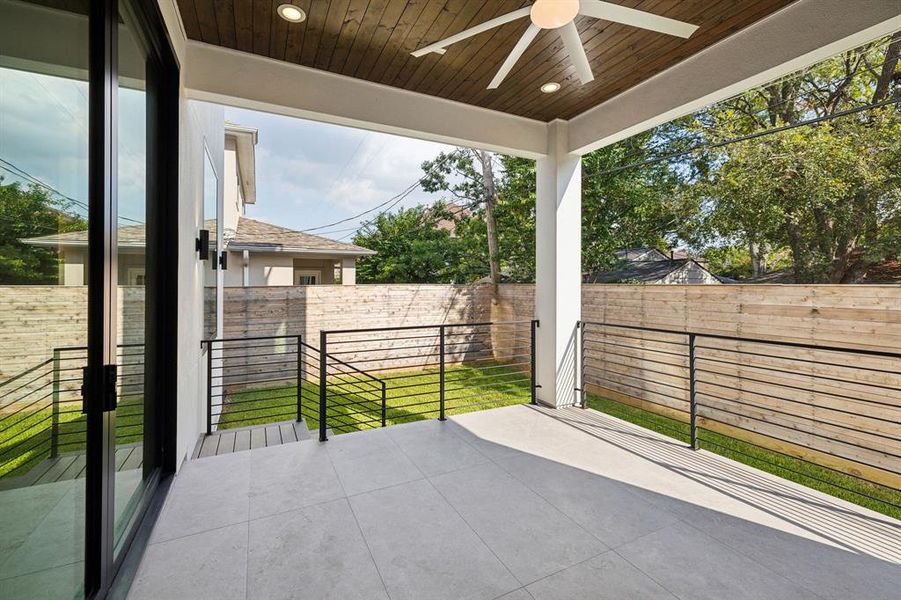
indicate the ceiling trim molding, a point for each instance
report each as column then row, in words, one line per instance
column 791, row 39
column 244, row 80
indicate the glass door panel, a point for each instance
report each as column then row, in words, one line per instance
column 131, row 473
column 43, row 297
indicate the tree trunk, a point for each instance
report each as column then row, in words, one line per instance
column 494, row 268
column 887, row 77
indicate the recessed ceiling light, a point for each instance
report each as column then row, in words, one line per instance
column 550, row 88
column 291, row 13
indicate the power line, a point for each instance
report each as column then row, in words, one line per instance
column 19, row 172
column 403, row 194
column 745, row 138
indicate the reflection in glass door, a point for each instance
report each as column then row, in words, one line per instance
column 131, row 285
column 80, row 311
column 43, row 298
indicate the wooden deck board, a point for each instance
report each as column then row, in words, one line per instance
column 257, row 438
column 242, row 441
column 249, row 438
column 135, row 459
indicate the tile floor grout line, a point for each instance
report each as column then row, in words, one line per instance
column 247, row 546
column 648, row 575
column 558, row 571
column 752, row 559
column 476, row 533
column 359, row 527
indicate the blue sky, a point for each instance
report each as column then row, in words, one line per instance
column 310, row 174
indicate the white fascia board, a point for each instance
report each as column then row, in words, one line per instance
column 289, row 250
column 791, row 39
column 230, row 77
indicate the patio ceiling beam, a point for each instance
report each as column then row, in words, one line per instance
column 226, row 76
column 796, row 37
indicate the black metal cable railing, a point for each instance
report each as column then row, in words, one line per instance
column 42, row 412
column 800, row 410
column 258, row 380
column 385, row 375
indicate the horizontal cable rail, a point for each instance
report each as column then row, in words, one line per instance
column 820, row 414
column 42, row 408
column 414, row 372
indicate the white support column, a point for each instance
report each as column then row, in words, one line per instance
column 348, row 271
column 558, row 264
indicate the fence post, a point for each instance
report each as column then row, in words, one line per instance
column 54, row 425
column 582, row 393
column 533, row 383
column 384, row 403
column 323, row 373
column 209, row 387
column 693, row 401
column 299, row 377
column 441, row 416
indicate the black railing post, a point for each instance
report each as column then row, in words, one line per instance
column 582, row 392
column 299, row 377
column 54, row 425
column 692, row 395
column 209, row 387
column 384, row 404
column 323, row 373
column 441, row 416
column 533, row 384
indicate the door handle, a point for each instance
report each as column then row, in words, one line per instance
column 109, row 397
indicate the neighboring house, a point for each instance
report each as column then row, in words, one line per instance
column 257, row 253
column 457, row 214
column 650, row 266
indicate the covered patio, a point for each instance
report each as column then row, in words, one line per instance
column 517, row 502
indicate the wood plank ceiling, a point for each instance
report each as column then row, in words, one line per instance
column 372, row 40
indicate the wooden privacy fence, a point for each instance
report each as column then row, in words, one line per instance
column 837, row 408
column 809, row 371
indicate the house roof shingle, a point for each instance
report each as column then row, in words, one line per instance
column 250, row 235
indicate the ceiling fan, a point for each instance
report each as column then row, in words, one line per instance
column 560, row 15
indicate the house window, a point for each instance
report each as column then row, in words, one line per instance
column 136, row 276
column 307, row 277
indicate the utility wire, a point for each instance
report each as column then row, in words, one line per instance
column 744, row 138
column 19, row 172
column 401, row 195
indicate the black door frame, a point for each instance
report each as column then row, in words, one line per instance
column 102, row 566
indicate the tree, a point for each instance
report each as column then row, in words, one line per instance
column 828, row 191
column 469, row 176
column 26, row 213
column 410, row 248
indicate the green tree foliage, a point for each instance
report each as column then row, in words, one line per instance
column 823, row 199
column 829, row 192
column 410, row 249
column 27, row 212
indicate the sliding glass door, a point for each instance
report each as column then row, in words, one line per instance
column 87, row 123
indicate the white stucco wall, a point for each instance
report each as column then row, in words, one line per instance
column 199, row 123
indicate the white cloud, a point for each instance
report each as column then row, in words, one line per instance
column 311, row 174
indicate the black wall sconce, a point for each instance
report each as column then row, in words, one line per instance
column 203, row 244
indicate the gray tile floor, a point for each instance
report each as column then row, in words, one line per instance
column 514, row 503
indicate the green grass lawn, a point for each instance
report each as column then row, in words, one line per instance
column 355, row 404
column 805, row 473
column 26, row 437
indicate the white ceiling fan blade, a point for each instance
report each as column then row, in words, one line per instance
column 514, row 55
column 468, row 33
column 636, row 18
column 573, row 44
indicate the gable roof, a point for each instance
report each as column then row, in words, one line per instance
column 643, row 271
column 250, row 235
column 259, row 235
